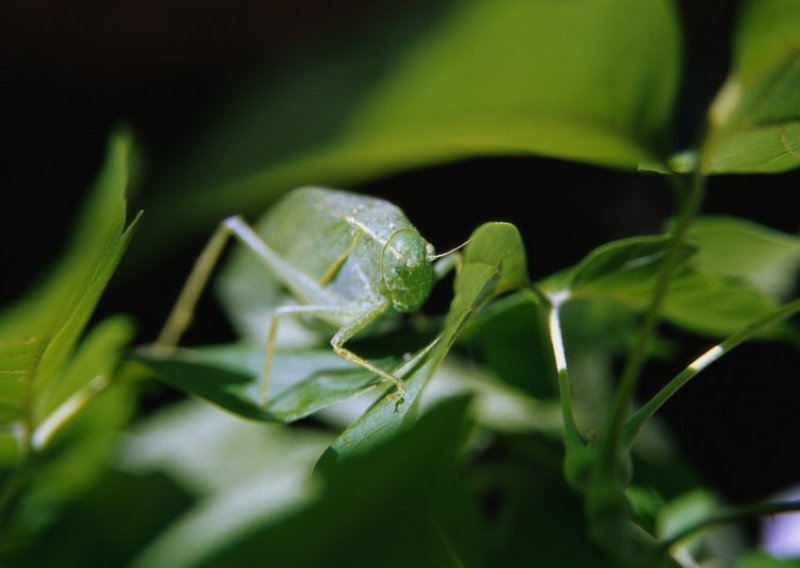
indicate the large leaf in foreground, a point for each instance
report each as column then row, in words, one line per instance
column 404, row 504
column 39, row 333
column 438, row 82
column 755, row 118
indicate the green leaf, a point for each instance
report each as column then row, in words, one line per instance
column 513, row 343
column 190, row 371
column 241, row 473
column 405, row 504
column 39, row 333
column 706, row 303
column 618, row 269
column 438, row 83
column 95, row 359
column 626, row 272
column 755, row 118
column 765, row 259
column 683, row 512
column 304, row 380
column 150, row 503
column 73, row 463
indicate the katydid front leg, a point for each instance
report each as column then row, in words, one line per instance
column 361, row 320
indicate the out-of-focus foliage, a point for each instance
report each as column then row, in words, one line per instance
column 439, row 82
column 49, row 380
column 469, row 468
column 754, row 120
column 38, row 335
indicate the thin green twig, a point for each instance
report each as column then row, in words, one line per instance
column 640, row 417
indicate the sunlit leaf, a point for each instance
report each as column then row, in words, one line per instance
column 438, row 82
column 755, row 118
column 95, row 358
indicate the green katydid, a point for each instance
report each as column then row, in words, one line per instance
column 346, row 258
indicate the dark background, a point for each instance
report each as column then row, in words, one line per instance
column 69, row 72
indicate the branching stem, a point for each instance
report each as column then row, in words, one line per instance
column 610, row 448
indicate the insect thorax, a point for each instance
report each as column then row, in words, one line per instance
column 407, row 269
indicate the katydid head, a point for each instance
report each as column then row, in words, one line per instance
column 407, row 269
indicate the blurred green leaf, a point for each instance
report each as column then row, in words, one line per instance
column 380, row 507
column 626, row 272
column 39, row 333
column 755, row 118
column 434, row 83
column 70, row 467
column 736, row 248
column 683, row 512
column 95, row 358
column 706, row 303
column 496, row 406
column 624, row 267
column 513, row 343
column 241, row 473
column 93, row 530
column 538, row 519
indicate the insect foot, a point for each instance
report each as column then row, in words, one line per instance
column 398, row 397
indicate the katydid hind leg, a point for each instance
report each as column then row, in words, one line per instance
column 182, row 312
column 180, row 318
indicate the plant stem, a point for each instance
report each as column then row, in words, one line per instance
column 729, row 516
column 623, row 396
column 572, row 438
column 635, row 422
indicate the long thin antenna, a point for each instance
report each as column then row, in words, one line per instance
column 451, row 251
